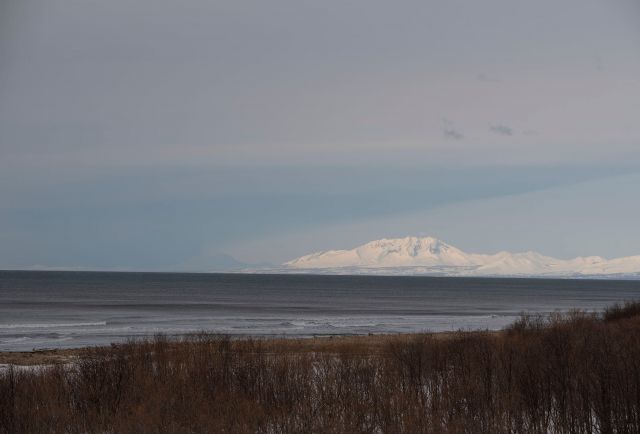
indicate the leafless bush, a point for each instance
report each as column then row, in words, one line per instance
column 618, row 311
column 573, row 373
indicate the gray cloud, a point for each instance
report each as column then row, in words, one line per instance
column 241, row 78
column 450, row 131
column 503, row 130
column 487, row 78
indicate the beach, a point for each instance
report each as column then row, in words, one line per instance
column 560, row 373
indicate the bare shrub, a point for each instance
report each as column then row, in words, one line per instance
column 571, row 373
column 618, row 311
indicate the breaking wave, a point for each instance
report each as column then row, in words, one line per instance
column 53, row 325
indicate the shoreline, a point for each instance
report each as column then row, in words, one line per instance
column 530, row 376
column 357, row 344
column 615, row 277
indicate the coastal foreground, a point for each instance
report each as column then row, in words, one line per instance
column 569, row 373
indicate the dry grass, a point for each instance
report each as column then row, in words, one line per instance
column 40, row 357
column 574, row 373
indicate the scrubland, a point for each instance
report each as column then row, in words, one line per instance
column 576, row 372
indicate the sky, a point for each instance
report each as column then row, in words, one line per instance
column 164, row 135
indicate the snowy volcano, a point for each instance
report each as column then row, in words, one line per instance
column 431, row 256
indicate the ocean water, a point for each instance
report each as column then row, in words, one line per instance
column 71, row 309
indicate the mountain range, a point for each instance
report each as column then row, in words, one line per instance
column 431, row 256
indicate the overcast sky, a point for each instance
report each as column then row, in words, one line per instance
column 158, row 134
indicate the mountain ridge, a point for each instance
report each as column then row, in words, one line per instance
column 432, row 256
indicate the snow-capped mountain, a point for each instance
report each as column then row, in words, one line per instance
column 430, row 256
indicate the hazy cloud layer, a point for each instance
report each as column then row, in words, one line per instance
column 145, row 133
column 229, row 80
column 561, row 221
column 159, row 218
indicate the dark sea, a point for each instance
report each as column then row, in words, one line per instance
column 72, row 309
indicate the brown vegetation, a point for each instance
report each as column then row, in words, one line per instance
column 573, row 373
column 40, row 357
